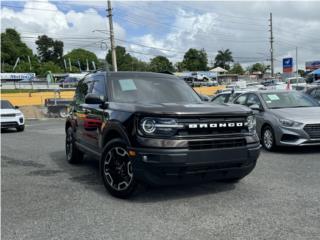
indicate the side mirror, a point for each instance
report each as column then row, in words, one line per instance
column 255, row 107
column 16, row 107
column 92, row 98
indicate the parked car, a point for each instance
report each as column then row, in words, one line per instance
column 284, row 118
column 297, row 83
column 68, row 82
column 57, row 107
column 314, row 92
column 153, row 128
column 11, row 117
column 226, row 96
column 317, row 82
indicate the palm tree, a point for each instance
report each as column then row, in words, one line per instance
column 223, row 59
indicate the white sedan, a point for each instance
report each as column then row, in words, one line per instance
column 11, row 117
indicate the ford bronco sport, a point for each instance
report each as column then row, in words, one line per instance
column 153, row 128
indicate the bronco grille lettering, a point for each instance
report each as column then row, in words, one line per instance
column 216, row 125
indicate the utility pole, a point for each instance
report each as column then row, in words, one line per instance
column 271, row 46
column 297, row 66
column 113, row 49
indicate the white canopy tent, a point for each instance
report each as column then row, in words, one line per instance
column 218, row 70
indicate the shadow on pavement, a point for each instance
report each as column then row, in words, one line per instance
column 87, row 173
column 8, row 130
column 296, row 150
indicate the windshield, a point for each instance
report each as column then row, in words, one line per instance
column 6, row 105
column 152, row 90
column 290, row 99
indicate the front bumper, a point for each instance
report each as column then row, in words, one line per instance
column 288, row 136
column 12, row 122
column 174, row 166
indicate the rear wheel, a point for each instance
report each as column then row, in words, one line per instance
column 116, row 169
column 20, row 128
column 63, row 113
column 73, row 154
column 268, row 139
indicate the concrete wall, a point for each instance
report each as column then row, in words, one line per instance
column 28, row 99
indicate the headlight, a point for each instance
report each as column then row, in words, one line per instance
column 289, row 123
column 19, row 114
column 159, row 126
column 251, row 123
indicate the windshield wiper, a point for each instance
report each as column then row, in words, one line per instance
column 299, row 106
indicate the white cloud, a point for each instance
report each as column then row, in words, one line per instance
column 75, row 29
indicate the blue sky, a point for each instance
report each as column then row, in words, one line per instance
column 149, row 28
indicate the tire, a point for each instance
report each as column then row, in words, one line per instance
column 73, row 154
column 116, row 169
column 20, row 128
column 268, row 139
column 63, row 113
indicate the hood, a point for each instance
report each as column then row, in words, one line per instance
column 184, row 109
column 9, row 111
column 303, row 115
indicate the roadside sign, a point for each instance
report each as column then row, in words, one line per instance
column 287, row 64
column 313, row 65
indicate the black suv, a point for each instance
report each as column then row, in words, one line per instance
column 153, row 128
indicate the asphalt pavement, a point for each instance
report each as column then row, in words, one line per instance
column 43, row 197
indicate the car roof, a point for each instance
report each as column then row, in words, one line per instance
column 271, row 91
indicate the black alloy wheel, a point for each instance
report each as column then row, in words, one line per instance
column 116, row 169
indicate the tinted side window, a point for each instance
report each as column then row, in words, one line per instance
column 99, row 85
column 242, row 99
column 253, row 99
column 220, row 99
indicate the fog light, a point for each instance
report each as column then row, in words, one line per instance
column 21, row 120
column 132, row 153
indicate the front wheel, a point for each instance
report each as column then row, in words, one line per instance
column 268, row 139
column 116, row 169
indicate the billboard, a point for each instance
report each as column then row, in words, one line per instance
column 312, row 65
column 17, row 76
column 287, row 64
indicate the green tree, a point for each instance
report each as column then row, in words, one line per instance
column 49, row 49
column 179, row 66
column 259, row 67
column 81, row 55
column 237, row 69
column 195, row 60
column 223, row 59
column 11, row 48
column 160, row 64
column 301, row 72
column 43, row 68
column 125, row 61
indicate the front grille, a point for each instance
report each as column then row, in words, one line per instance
column 207, row 131
column 8, row 115
column 193, row 170
column 214, row 144
column 313, row 130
